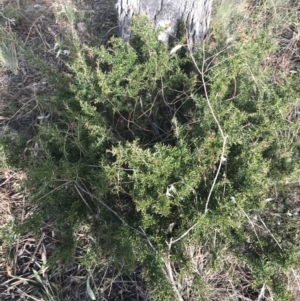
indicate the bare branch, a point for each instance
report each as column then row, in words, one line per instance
column 270, row 232
column 83, row 198
column 148, row 240
column 250, row 222
column 185, row 233
column 202, row 72
column 262, row 293
column 170, row 272
column 12, row 21
column 217, row 175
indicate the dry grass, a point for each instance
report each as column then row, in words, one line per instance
column 294, row 283
column 231, row 280
column 27, row 269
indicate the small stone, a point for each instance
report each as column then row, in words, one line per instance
column 81, row 27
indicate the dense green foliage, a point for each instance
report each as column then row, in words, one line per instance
column 132, row 149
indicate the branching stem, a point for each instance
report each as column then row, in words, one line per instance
column 202, row 72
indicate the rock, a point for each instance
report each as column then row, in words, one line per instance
column 81, row 27
column 35, row 9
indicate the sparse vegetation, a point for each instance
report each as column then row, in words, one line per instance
column 133, row 173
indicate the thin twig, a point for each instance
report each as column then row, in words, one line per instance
column 56, row 188
column 201, row 72
column 250, row 222
column 148, row 240
column 262, row 293
column 168, row 262
column 12, row 21
column 270, row 232
column 108, row 208
column 170, row 272
column 217, row 175
column 34, row 253
column 142, row 232
column 83, row 198
column 185, row 233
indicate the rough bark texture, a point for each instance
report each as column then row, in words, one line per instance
column 167, row 13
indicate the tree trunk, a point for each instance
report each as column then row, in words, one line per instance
column 167, row 14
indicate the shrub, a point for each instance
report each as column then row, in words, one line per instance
column 189, row 149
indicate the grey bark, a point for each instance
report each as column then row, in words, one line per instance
column 167, row 14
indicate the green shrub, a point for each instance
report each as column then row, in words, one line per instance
column 133, row 150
